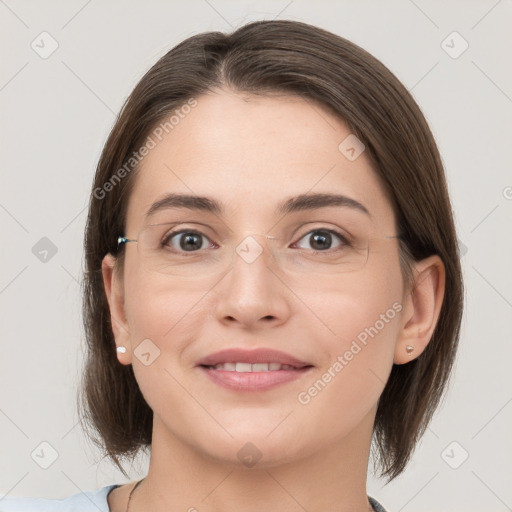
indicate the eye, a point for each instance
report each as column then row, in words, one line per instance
column 322, row 239
column 186, row 240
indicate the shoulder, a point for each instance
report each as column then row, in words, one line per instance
column 89, row 501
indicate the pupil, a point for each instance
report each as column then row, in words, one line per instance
column 190, row 242
column 321, row 241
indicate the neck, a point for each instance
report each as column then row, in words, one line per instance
column 181, row 477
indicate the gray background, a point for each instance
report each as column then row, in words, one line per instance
column 57, row 113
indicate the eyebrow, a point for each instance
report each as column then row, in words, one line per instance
column 303, row 202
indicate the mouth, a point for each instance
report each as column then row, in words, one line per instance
column 254, row 370
column 252, row 367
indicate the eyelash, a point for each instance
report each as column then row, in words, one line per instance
column 169, row 236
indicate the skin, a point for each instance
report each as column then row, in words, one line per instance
column 250, row 153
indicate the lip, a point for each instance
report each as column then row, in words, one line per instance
column 252, row 381
column 259, row 355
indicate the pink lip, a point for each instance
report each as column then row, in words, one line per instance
column 252, row 381
column 259, row 355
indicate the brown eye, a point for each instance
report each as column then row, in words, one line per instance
column 188, row 241
column 323, row 239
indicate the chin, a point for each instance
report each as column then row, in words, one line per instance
column 254, row 449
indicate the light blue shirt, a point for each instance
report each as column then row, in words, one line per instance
column 90, row 501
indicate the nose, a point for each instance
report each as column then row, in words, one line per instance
column 252, row 294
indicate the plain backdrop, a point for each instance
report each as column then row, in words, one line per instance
column 57, row 111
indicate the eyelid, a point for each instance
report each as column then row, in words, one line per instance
column 323, row 226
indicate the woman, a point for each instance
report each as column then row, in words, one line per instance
column 272, row 281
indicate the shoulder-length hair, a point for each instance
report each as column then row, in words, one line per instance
column 294, row 58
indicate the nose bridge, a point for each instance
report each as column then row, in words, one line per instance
column 251, row 259
column 252, row 291
column 253, row 246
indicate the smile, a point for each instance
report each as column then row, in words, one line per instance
column 259, row 369
column 257, row 377
column 254, row 367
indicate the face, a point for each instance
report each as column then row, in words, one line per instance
column 322, row 296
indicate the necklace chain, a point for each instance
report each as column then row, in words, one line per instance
column 131, row 492
column 140, row 481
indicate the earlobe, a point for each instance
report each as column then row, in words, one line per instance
column 115, row 297
column 422, row 309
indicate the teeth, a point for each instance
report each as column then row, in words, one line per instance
column 255, row 367
column 243, row 367
column 259, row 367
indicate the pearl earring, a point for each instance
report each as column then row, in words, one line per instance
column 121, row 350
column 409, row 349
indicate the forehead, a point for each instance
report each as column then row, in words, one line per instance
column 251, row 153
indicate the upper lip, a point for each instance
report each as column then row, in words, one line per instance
column 260, row 355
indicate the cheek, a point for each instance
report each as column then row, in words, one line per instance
column 158, row 308
column 357, row 359
column 162, row 316
column 162, row 319
column 349, row 304
column 359, row 316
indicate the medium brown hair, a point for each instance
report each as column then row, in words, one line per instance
column 294, row 58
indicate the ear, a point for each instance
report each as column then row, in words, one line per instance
column 114, row 291
column 422, row 306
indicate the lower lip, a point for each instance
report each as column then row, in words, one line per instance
column 253, row 381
